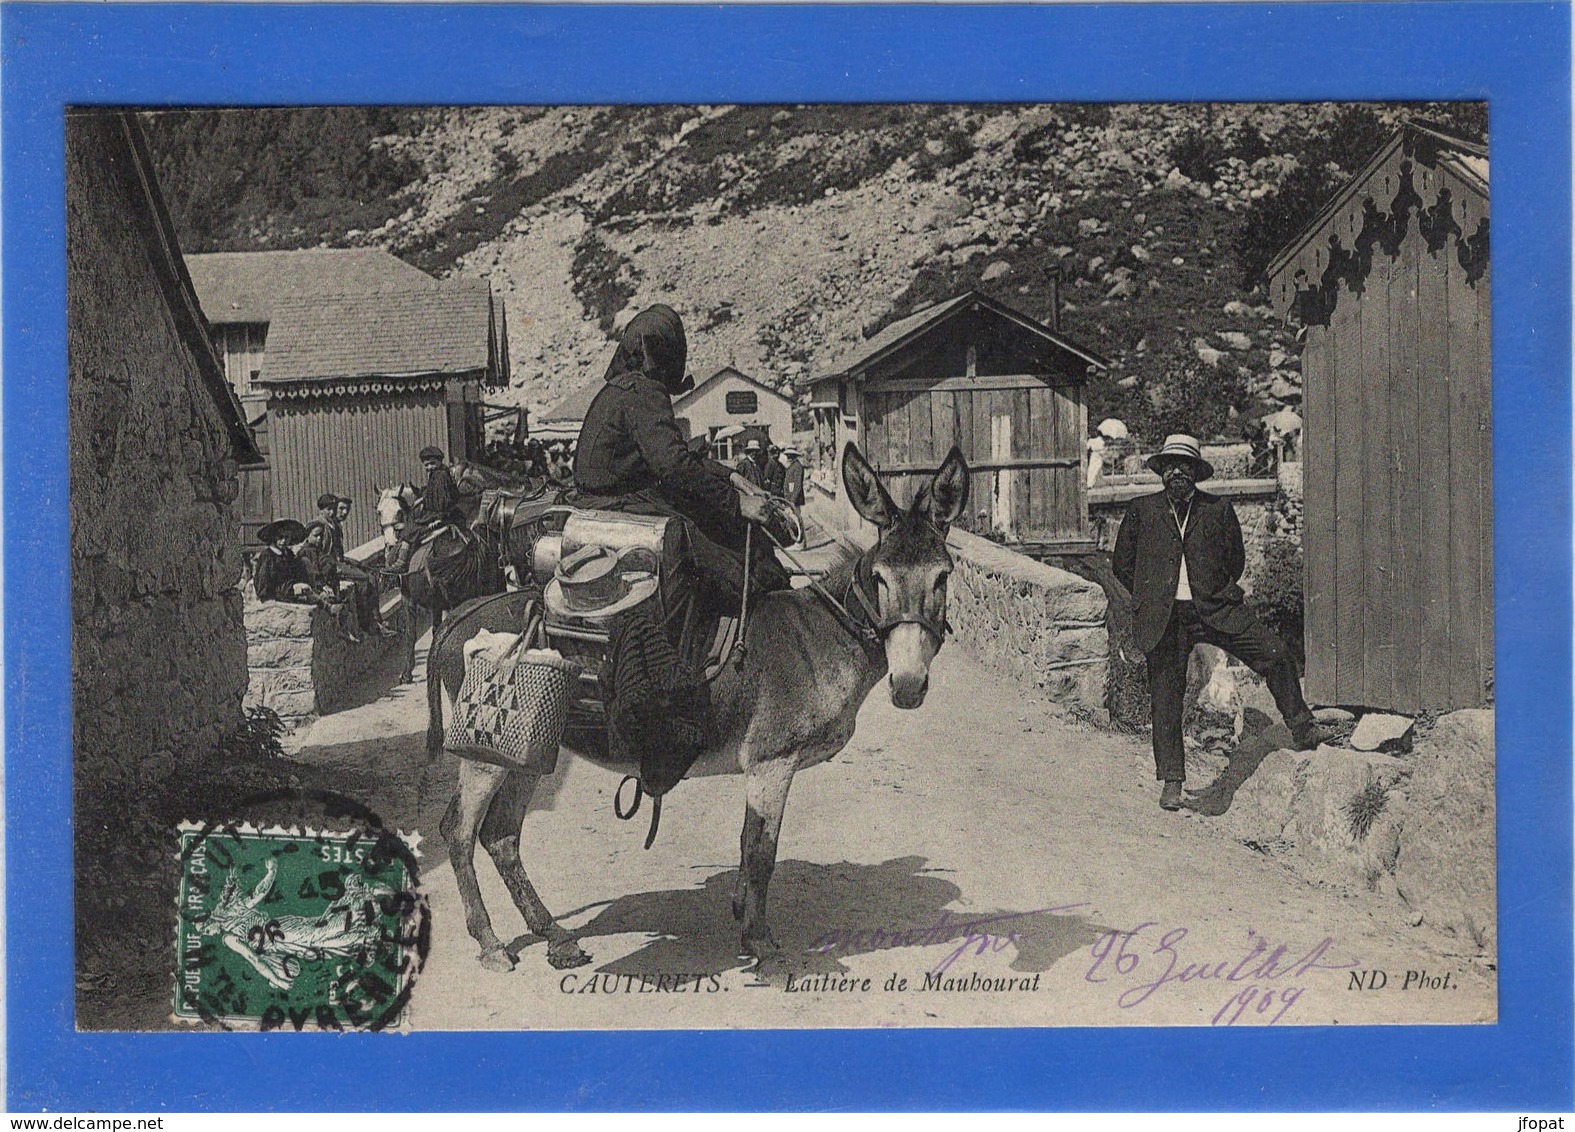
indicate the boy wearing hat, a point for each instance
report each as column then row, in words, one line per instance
column 438, row 504
column 1180, row 554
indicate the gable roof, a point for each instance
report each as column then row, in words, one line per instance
column 573, row 406
column 446, row 329
column 721, row 373
column 1467, row 160
column 118, row 137
column 923, row 321
column 248, row 286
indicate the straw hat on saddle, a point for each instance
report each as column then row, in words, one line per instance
column 596, row 581
column 1180, row 446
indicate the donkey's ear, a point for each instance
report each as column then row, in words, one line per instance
column 865, row 491
column 946, row 495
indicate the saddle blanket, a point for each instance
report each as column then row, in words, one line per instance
column 512, row 705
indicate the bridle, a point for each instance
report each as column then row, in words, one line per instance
column 858, row 610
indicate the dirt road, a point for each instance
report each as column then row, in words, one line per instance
column 1011, row 867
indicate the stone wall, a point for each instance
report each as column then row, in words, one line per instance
column 1039, row 625
column 158, row 649
column 1043, row 627
column 301, row 665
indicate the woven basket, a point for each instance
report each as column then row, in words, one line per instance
column 511, row 708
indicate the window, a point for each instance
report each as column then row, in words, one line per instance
column 741, row 402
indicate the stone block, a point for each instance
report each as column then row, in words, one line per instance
column 291, row 706
column 279, row 652
column 1445, row 869
column 266, row 681
column 278, row 619
column 1379, row 731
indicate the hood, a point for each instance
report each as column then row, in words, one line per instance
column 653, row 344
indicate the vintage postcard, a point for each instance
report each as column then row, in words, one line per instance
column 1017, row 565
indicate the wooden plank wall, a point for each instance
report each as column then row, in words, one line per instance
column 908, row 432
column 354, row 447
column 1398, row 538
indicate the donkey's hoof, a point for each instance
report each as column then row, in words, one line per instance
column 762, row 948
column 566, row 953
column 497, row 959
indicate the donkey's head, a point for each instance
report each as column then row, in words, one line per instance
column 908, row 569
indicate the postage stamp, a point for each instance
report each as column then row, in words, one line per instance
column 295, row 928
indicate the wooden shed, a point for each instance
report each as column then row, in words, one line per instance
column 1392, row 282
column 358, row 384
column 1005, row 388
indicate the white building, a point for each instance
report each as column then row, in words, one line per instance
column 728, row 401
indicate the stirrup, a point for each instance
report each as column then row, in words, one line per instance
column 639, row 794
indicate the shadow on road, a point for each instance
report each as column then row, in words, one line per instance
column 821, row 913
column 1216, row 798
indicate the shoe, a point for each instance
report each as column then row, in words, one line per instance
column 1308, row 736
column 1170, row 796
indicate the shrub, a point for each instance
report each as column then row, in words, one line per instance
column 1198, row 154
column 1364, row 808
column 1277, row 594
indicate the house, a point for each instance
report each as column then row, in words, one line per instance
column 358, row 384
column 728, row 400
column 349, row 361
column 155, row 437
column 1003, row 387
column 1392, row 283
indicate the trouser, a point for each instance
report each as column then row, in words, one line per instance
column 364, row 596
column 1255, row 646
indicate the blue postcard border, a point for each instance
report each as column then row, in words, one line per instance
column 1514, row 54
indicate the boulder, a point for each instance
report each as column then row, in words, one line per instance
column 1237, row 309
column 1140, row 253
column 1235, row 339
column 1090, row 226
column 1330, row 813
column 997, row 270
column 1379, row 731
column 1445, row 868
column 1282, row 390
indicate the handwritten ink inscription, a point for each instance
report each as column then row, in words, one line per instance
column 1261, row 984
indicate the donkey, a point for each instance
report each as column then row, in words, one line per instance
column 810, row 662
column 452, row 571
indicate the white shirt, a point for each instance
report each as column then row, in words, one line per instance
column 1183, row 586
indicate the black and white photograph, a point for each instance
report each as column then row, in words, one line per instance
column 637, row 567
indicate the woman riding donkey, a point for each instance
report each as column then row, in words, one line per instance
column 632, row 457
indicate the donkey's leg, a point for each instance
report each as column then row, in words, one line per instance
column 765, row 793
column 478, row 785
column 500, row 835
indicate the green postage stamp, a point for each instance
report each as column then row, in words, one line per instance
column 297, row 928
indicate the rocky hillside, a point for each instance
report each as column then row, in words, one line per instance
column 786, row 235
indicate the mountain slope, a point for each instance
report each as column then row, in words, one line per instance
column 785, row 235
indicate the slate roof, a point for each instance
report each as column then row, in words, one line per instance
column 444, row 329
column 249, row 286
column 927, row 318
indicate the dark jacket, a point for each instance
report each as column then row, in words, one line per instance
column 276, row 573
column 1147, row 561
column 630, row 441
column 440, row 500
